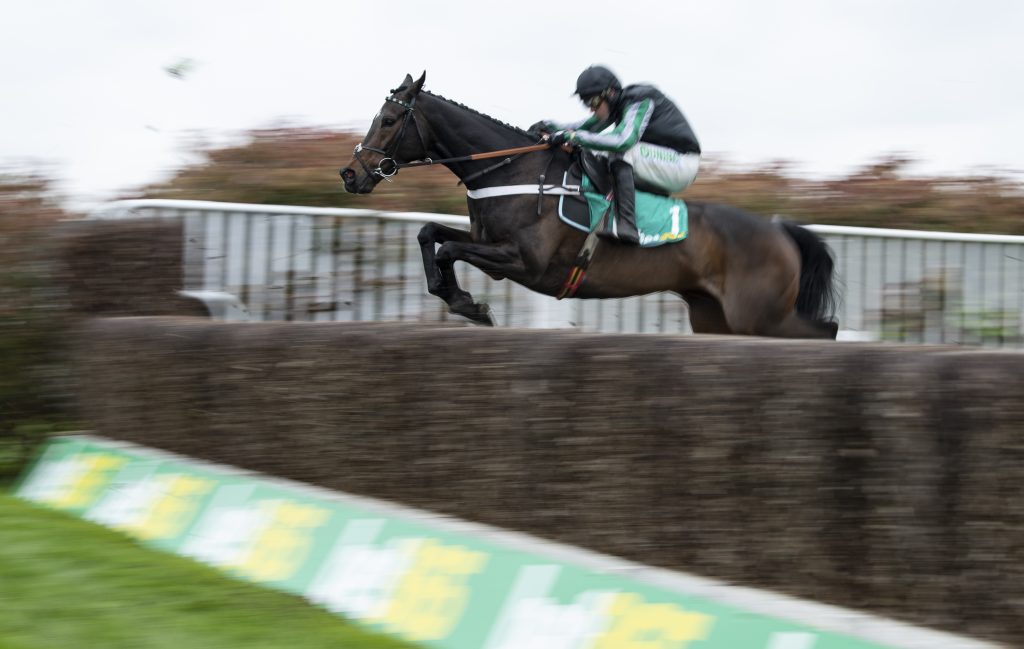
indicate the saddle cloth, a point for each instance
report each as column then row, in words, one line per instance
column 660, row 219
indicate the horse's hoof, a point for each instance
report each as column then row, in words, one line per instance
column 480, row 314
column 484, row 316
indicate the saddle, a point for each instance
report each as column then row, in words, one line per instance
column 660, row 219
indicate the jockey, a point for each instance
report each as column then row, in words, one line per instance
column 640, row 131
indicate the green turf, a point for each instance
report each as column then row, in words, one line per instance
column 67, row 583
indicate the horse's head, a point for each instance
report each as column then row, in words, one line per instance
column 394, row 137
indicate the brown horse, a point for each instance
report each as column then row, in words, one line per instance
column 739, row 273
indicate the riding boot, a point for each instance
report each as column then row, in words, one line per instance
column 624, row 228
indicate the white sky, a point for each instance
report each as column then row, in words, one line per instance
column 828, row 84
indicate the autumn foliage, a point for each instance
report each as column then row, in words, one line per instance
column 299, row 166
column 884, row 194
column 32, row 383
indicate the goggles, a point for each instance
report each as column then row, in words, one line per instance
column 593, row 102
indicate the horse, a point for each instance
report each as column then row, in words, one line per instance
column 738, row 272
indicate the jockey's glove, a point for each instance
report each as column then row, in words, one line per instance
column 559, row 138
column 543, row 126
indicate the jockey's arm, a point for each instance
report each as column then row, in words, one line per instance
column 624, row 136
column 588, row 124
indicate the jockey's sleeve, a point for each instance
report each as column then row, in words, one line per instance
column 626, row 133
column 589, row 124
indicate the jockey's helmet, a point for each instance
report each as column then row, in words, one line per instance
column 595, row 80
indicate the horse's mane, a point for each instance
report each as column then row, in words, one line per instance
column 476, row 112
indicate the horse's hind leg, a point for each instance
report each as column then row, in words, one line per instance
column 706, row 314
column 797, row 326
column 757, row 310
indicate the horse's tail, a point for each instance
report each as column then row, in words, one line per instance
column 817, row 298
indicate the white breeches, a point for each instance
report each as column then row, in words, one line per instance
column 661, row 166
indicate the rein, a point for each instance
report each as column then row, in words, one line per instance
column 392, row 166
column 476, row 156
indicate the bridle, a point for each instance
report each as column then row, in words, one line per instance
column 389, row 155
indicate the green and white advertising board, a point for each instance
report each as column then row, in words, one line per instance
column 427, row 578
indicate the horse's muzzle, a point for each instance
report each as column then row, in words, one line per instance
column 348, row 176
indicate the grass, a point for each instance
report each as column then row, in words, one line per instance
column 66, row 583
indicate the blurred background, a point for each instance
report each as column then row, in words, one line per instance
column 870, row 114
column 113, row 95
column 878, row 115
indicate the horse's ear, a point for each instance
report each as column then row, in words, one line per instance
column 407, row 82
column 419, row 83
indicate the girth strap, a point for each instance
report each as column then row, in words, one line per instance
column 513, row 190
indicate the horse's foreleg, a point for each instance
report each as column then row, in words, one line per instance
column 438, row 265
column 440, row 281
column 501, row 260
column 496, row 259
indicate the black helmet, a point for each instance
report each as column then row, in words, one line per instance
column 595, row 80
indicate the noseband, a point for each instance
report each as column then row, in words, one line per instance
column 389, row 155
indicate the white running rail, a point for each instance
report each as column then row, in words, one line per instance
column 274, row 262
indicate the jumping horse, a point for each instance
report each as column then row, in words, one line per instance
column 739, row 273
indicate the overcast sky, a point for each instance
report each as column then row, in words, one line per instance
column 828, row 84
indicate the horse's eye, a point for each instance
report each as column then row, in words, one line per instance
column 388, row 121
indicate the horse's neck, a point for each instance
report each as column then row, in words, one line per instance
column 458, row 132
